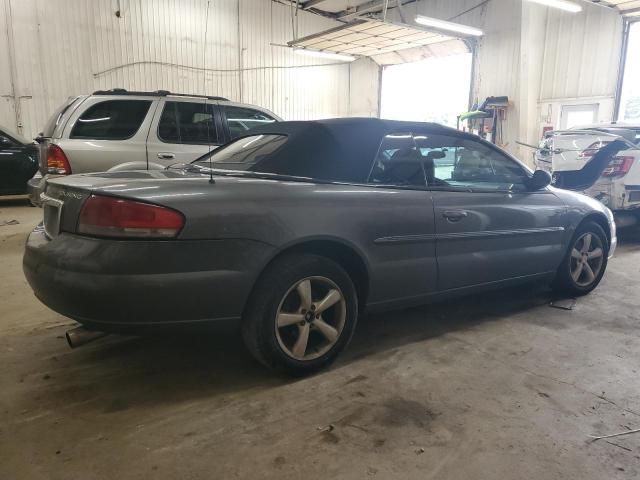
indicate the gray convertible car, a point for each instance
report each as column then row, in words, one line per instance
column 297, row 227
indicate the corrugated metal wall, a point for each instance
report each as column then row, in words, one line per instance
column 582, row 54
column 69, row 47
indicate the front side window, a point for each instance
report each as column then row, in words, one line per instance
column 188, row 123
column 398, row 162
column 111, row 120
column 248, row 153
column 463, row 163
column 241, row 119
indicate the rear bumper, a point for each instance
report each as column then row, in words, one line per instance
column 122, row 284
column 616, row 195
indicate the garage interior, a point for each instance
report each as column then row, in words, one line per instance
column 511, row 384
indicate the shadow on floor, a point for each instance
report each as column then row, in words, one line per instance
column 119, row 372
column 629, row 238
column 14, row 201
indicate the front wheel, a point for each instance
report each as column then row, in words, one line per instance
column 301, row 315
column 585, row 262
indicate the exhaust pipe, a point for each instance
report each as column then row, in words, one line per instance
column 76, row 337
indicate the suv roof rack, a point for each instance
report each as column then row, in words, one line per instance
column 156, row 93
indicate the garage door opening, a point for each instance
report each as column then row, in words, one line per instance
column 630, row 95
column 432, row 90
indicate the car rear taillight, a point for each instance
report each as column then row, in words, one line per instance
column 57, row 162
column 618, row 166
column 116, row 217
column 592, row 149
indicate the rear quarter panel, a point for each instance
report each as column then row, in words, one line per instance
column 94, row 155
column 287, row 213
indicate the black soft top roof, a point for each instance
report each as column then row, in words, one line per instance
column 340, row 149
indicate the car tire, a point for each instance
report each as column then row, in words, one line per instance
column 585, row 262
column 300, row 299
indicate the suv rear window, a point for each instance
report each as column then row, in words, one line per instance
column 111, row 120
column 188, row 122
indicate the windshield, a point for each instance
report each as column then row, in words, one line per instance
column 243, row 154
column 14, row 136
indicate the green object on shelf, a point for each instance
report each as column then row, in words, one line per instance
column 475, row 114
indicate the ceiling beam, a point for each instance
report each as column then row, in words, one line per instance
column 370, row 6
column 601, row 3
column 311, row 3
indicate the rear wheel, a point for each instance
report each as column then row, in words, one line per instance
column 301, row 315
column 585, row 262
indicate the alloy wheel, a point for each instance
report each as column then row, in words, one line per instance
column 310, row 318
column 587, row 259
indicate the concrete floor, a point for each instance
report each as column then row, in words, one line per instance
column 500, row 387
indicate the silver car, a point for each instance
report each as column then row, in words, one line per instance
column 297, row 227
column 119, row 130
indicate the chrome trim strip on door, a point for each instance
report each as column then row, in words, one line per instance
column 428, row 237
column 465, row 235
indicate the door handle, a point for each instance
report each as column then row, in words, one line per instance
column 455, row 215
column 166, row 155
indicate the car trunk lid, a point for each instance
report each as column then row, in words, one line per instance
column 61, row 206
column 577, row 159
column 592, row 170
column 64, row 197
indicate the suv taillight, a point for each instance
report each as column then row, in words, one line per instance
column 116, row 217
column 618, row 166
column 57, row 162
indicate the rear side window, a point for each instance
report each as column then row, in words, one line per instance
column 188, row 122
column 241, row 119
column 245, row 153
column 111, row 120
column 398, row 162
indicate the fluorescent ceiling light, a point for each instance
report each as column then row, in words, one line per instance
column 449, row 26
column 561, row 4
column 321, row 54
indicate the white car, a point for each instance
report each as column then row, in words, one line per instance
column 122, row 130
column 603, row 161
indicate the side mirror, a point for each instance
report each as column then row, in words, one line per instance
column 5, row 142
column 539, row 180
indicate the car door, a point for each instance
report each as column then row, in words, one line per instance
column 107, row 131
column 18, row 163
column 489, row 225
column 400, row 225
column 183, row 129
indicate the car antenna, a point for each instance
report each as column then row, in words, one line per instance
column 204, row 89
